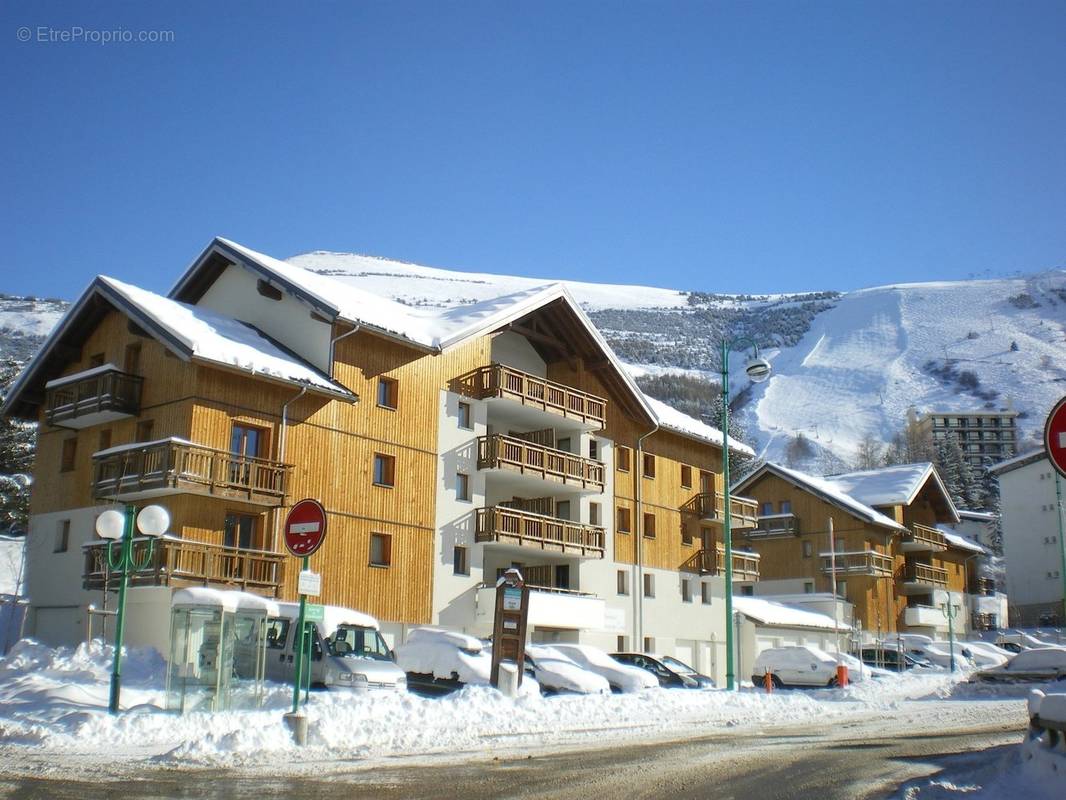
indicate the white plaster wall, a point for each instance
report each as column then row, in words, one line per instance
column 288, row 320
column 1030, row 534
column 515, row 351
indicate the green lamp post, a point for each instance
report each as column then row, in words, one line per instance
column 758, row 370
column 117, row 527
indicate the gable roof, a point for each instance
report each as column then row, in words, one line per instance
column 190, row 332
column 825, row 489
column 1019, row 461
column 896, row 485
column 670, row 419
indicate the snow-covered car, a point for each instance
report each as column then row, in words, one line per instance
column 439, row 661
column 798, row 666
column 621, row 677
column 557, row 672
column 936, row 653
column 859, row 672
column 1034, row 665
column 986, row 655
column 1016, row 641
column 668, row 677
column 892, row 659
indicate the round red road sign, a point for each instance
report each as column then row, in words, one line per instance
column 1055, row 436
column 305, row 528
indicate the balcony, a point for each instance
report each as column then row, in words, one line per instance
column 180, row 562
column 860, row 562
column 923, row 579
column 710, row 507
column 922, row 538
column 175, row 466
column 924, row 617
column 772, row 525
column 498, row 381
column 548, row 608
column 708, row 562
column 984, row 622
column 525, row 529
column 539, row 462
column 985, row 587
column 92, row 397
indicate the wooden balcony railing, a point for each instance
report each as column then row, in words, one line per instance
column 926, row 575
column 498, row 380
column 499, row 451
column 983, row 586
column 922, row 537
column 774, row 525
column 174, row 466
column 180, row 562
column 861, row 562
column 984, row 622
column 96, row 395
column 512, row 526
column 710, row 506
column 712, row 562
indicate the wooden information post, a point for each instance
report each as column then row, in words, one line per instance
column 509, row 624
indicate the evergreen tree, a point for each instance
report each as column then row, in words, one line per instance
column 16, row 459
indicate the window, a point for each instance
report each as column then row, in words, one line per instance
column 380, row 550
column 705, row 593
column 686, row 591
column 132, row 361
column 623, row 520
column 144, row 430
column 594, row 513
column 842, row 589
column 464, row 416
column 70, row 452
column 649, row 585
column 766, row 509
column 462, row 487
column 649, row 644
column 277, row 633
column 839, row 541
column 623, row 581
column 563, row 444
column 62, row 541
column 384, row 470
column 460, row 566
column 649, row 465
column 649, row 525
column 239, row 531
column 96, row 360
column 808, row 587
column 686, row 476
column 808, row 549
column 562, row 509
column 387, row 392
column 624, row 456
column 266, row 290
column 562, row 576
column 786, row 506
column 594, row 450
column 686, row 535
column 747, row 591
column 103, row 440
column 621, row 644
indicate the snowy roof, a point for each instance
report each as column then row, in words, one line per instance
column 961, row 542
column 890, row 486
column 332, row 617
column 826, row 489
column 980, row 516
column 227, row 600
column 119, row 448
column 669, row 418
column 770, row 612
column 80, row 376
column 1019, row 461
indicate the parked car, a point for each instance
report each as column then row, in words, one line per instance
column 1035, row 665
column 557, row 672
column 798, row 666
column 682, row 668
column 438, row 661
column 936, row 653
column 347, row 651
column 621, row 677
column 986, row 655
column 892, row 659
column 667, row 676
column 1016, row 641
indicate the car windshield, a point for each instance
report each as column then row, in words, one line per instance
column 678, row 666
column 356, row 641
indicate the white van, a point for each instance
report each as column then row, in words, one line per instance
column 795, row 666
column 347, row 651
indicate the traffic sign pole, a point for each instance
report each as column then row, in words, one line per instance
column 305, row 530
column 298, row 678
column 1055, row 449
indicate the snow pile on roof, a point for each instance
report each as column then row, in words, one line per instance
column 829, row 491
column 222, row 340
column 669, row 418
column 1020, row 460
column 888, row 486
column 445, row 654
column 12, row 564
column 961, row 542
column 332, row 618
column 770, row 612
column 224, row 600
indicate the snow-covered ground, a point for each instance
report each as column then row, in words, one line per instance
column 53, row 703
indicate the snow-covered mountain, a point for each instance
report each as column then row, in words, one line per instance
column 845, row 365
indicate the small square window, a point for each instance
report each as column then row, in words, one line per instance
column 594, row 513
column 464, row 416
column 380, row 550
column 786, row 506
column 766, row 509
column 144, row 431
column 70, row 453
column 649, row 585
column 384, row 470
column 649, row 644
column 387, row 391
column 132, row 361
column 460, row 565
column 686, row 476
column 62, row 541
column 623, row 458
column 649, row 525
column 747, row 591
column 705, row 593
column 462, row 486
column 649, row 465
column 808, row 549
column 623, row 582
column 808, row 588
column 620, row 643
column 624, row 520
column 103, row 441
column 686, row 591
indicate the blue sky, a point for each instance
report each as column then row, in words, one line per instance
column 737, row 147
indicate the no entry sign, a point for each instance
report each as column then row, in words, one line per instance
column 305, row 528
column 1055, row 436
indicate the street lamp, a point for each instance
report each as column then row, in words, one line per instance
column 115, row 525
column 758, row 370
column 948, row 610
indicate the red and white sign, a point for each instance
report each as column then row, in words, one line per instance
column 305, row 528
column 1055, row 436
